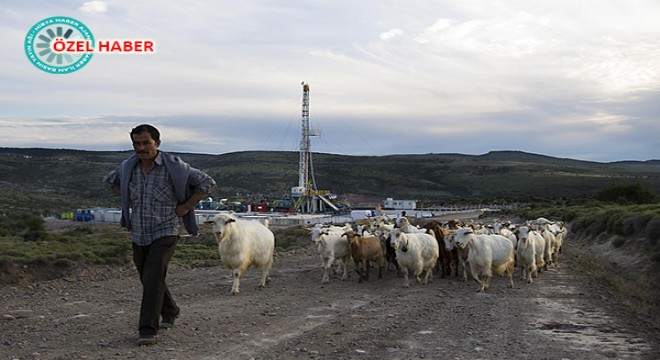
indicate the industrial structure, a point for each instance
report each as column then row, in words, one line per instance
column 307, row 197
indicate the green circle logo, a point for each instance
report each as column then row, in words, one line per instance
column 59, row 45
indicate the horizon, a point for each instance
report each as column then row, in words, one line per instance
column 334, row 154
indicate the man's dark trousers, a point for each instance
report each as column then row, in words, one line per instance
column 151, row 262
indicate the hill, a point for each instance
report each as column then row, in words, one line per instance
column 53, row 180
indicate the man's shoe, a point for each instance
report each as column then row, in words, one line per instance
column 167, row 322
column 144, row 340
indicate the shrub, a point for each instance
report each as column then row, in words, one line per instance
column 625, row 194
column 65, row 263
column 655, row 257
column 32, row 228
column 618, row 242
column 653, row 231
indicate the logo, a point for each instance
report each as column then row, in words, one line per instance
column 40, row 44
column 62, row 45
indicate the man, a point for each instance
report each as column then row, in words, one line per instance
column 156, row 189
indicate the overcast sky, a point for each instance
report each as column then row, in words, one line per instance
column 565, row 78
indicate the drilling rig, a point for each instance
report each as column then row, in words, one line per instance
column 308, row 198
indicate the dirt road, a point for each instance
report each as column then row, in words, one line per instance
column 562, row 315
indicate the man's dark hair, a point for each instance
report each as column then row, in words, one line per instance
column 155, row 134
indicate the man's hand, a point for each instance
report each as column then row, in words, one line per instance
column 185, row 207
column 182, row 209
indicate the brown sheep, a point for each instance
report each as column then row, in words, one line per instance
column 363, row 250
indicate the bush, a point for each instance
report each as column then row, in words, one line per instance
column 655, row 257
column 32, row 228
column 618, row 242
column 653, row 231
column 626, row 194
column 64, row 263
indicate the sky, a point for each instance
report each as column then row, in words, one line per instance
column 569, row 79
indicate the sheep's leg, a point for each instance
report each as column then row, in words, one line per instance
column 265, row 277
column 404, row 270
column 510, row 273
column 381, row 268
column 428, row 276
column 237, row 281
column 475, row 274
column 327, row 267
column 486, row 282
column 344, row 276
column 359, row 270
column 482, row 286
column 340, row 265
column 418, row 275
column 464, row 266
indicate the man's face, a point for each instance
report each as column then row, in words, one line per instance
column 144, row 146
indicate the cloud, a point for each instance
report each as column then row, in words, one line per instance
column 94, row 7
column 418, row 77
column 390, row 34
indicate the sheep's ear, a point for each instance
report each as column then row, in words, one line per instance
column 208, row 222
column 230, row 221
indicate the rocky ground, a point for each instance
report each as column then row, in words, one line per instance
column 564, row 314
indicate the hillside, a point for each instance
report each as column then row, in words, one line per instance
column 53, row 180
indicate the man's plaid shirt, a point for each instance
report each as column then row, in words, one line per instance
column 153, row 201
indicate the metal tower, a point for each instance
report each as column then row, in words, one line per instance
column 305, row 160
column 306, row 190
column 305, row 144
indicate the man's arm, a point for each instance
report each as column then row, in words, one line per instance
column 202, row 185
column 112, row 180
column 184, row 207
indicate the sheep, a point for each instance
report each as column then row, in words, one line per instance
column 507, row 233
column 404, row 224
column 363, row 250
column 415, row 251
column 539, row 244
column 390, row 253
column 549, row 248
column 331, row 246
column 461, row 253
column 318, row 229
column 527, row 252
column 447, row 257
column 244, row 243
column 559, row 231
column 488, row 254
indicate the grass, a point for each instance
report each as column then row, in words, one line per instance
column 55, row 254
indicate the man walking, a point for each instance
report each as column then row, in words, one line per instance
column 156, row 189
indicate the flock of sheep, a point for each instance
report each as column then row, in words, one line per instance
column 384, row 244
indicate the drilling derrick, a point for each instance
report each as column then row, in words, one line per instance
column 305, row 144
column 309, row 199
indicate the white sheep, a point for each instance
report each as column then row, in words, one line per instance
column 488, row 254
column 549, row 248
column 404, row 224
column 461, row 253
column 417, row 252
column 560, row 232
column 527, row 252
column 331, row 246
column 244, row 243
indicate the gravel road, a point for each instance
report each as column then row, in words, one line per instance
column 563, row 314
